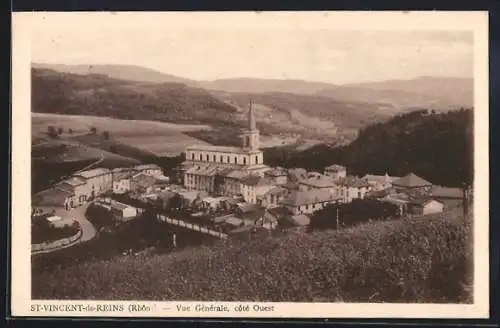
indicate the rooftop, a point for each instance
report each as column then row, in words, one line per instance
column 147, row 167
column 93, row 173
column 237, row 174
column 318, row 182
column 206, row 170
column 278, row 190
column 255, row 180
column 335, row 168
column 51, row 197
column 223, row 149
column 279, row 212
column 123, row 175
column 353, row 182
column 411, row 181
column 308, row 197
column 445, row 192
column 276, row 172
column 119, row 206
column 379, row 178
column 74, row 181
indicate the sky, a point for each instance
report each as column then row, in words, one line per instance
column 199, row 52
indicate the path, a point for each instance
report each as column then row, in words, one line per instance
column 88, row 229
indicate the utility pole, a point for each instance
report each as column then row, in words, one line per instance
column 337, row 218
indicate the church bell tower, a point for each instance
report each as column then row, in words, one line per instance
column 251, row 134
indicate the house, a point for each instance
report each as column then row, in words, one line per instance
column 253, row 187
column 271, row 217
column 59, row 222
column 123, row 212
column 151, row 169
column 76, row 186
column 164, row 198
column 450, row 197
column 296, row 223
column 335, row 171
column 98, row 181
column 317, row 182
column 142, row 183
column 272, row 197
column 308, row 202
column 201, row 177
column 380, row 182
column 411, row 183
column 296, row 174
column 54, row 197
column 425, row 206
column 277, row 176
column 351, row 187
column 122, row 181
column 229, row 181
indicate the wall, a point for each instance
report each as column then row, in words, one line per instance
column 58, row 244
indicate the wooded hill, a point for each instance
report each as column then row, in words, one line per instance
column 436, row 146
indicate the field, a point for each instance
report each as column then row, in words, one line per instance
column 156, row 137
column 420, row 260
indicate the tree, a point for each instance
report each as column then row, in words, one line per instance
column 106, row 135
column 93, row 130
column 52, row 132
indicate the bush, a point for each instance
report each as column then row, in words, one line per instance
column 421, row 260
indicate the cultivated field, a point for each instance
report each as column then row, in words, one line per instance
column 157, row 137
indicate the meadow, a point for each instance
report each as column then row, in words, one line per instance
column 159, row 138
column 419, row 260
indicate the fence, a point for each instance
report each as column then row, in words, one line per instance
column 192, row 226
column 58, row 244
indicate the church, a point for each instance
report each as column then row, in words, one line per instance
column 205, row 166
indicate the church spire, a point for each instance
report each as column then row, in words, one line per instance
column 251, row 118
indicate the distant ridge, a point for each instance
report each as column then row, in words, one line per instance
column 121, row 72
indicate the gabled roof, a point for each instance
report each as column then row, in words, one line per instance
column 279, row 212
column 147, row 167
column 411, row 181
column 335, row 168
column 379, row 178
column 278, row 190
column 353, row 182
column 255, row 180
column 51, row 197
column 276, row 172
column 423, row 201
column 445, row 192
column 75, row 181
column 308, row 197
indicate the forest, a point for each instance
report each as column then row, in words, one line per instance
column 435, row 146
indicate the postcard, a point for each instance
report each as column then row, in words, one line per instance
column 250, row 164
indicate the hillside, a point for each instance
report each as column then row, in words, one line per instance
column 120, row 72
column 438, row 147
column 425, row 92
column 420, row 260
column 99, row 95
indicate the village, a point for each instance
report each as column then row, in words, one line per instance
column 229, row 191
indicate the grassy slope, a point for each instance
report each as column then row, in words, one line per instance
column 424, row 260
column 152, row 137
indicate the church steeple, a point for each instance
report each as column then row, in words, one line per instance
column 251, row 117
column 251, row 135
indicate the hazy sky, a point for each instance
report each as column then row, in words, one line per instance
column 210, row 53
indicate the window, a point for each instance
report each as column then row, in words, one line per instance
column 201, row 158
column 235, row 160
column 244, row 161
column 208, row 158
column 256, row 159
column 192, row 156
column 214, row 159
column 227, row 159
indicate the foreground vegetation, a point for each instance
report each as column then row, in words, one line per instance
column 421, row 260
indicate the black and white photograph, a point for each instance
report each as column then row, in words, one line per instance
column 226, row 163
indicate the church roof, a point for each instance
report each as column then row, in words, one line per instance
column 411, row 181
